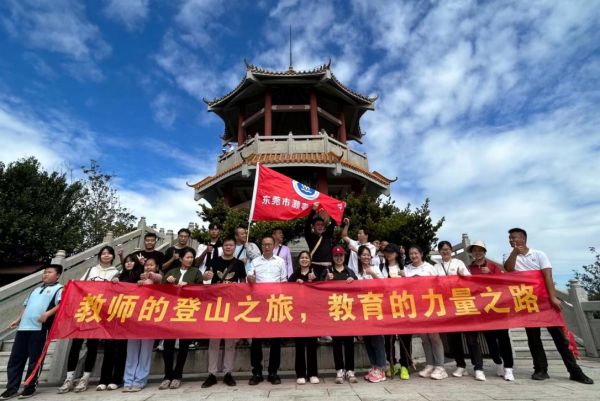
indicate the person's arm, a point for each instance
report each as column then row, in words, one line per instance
column 288, row 261
column 554, row 301
column 308, row 225
column 345, row 228
column 330, row 227
column 462, row 269
column 44, row 316
column 511, row 261
column 15, row 323
column 172, row 258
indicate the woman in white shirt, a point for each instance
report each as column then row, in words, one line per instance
column 432, row 342
column 452, row 267
column 375, row 345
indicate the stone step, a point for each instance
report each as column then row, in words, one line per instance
column 7, row 345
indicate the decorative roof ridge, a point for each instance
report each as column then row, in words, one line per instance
column 353, row 92
column 290, row 71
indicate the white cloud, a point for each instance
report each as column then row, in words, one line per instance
column 58, row 26
column 165, row 107
column 131, row 13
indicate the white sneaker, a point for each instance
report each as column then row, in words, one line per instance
column 439, row 373
column 301, row 380
column 112, row 386
column 314, row 380
column 500, row 369
column 67, row 386
column 460, row 372
column 479, row 375
column 427, row 371
column 339, row 376
column 508, row 374
column 351, row 377
column 101, row 387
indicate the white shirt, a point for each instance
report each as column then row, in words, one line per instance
column 182, row 271
column 99, row 273
column 453, row 268
column 365, row 276
column 394, row 271
column 246, row 252
column 353, row 261
column 271, row 270
column 425, row 269
column 533, row 260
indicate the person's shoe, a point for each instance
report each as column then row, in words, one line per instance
column 508, row 375
column 135, row 389
column 339, row 376
column 397, row 368
column 274, row 379
column 404, row 375
column 389, row 372
column 314, row 380
column 164, row 385
column 479, row 375
column 160, row 347
column 581, row 378
column 325, row 340
column 229, row 380
column 254, row 380
column 211, row 380
column 301, row 380
column 460, row 372
column 126, row 389
column 376, row 376
column 439, row 373
column 66, row 386
column 8, row 394
column 368, row 373
column 427, row 371
column 101, row 387
column 82, row 385
column 351, row 377
column 28, row 392
column 175, row 383
column 192, row 346
column 540, row 375
column 112, row 386
column 500, row 369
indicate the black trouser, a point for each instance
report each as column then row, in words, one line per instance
column 113, row 364
column 90, row 357
column 405, row 350
column 306, row 357
column 498, row 342
column 390, row 351
column 256, row 356
column 175, row 373
column 343, row 353
column 534, row 340
column 456, row 347
column 28, row 345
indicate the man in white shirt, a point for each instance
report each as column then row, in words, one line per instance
column 267, row 268
column 245, row 250
column 523, row 258
column 362, row 236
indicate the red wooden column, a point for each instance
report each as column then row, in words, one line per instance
column 241, row 132
column 322, row 186
column 314, row 118
column 268, row 112
column 342, row 129
column 227, row 195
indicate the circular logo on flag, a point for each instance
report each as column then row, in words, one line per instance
column 305, row 192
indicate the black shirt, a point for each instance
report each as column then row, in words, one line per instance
column 299, row 276
column 156, row 255
column 343, row 275
column 323, row 252
column 228, row 271
column 169, row 254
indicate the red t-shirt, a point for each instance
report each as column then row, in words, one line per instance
column 476, row 269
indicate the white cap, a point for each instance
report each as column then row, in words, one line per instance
column 478, row 243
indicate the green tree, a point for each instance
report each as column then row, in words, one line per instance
column 39, row 213
column 590, row 277
column 102, row 207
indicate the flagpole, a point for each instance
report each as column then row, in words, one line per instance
column 257, row 172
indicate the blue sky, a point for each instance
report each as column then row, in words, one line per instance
column 489, row 109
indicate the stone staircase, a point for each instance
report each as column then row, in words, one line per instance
column 521, row 349
column 5, row 349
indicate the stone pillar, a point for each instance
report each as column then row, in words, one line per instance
column 578, row 295
column 268, row 112
column 142, row 227
column 322, row 186
column 109, row 238
column 59, row 258
column 314, row 117
column 466, row 242
column 170, row 238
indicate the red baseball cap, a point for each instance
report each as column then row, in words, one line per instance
column 338, row 250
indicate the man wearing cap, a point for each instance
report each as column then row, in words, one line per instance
column 362, row 239
column 343, row 347
column 319, row 237
column 523, row 258
column 498, row 341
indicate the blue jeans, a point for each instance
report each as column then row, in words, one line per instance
column 137, row 366
column 375, row 346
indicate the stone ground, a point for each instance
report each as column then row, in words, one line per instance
column 415, row 389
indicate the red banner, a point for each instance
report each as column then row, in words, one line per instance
column 278, row 197
column 389, row 306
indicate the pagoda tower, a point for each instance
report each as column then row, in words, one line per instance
column 297, row 122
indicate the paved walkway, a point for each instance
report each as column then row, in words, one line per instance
column 415, row 389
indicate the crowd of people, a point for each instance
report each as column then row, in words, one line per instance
column 127, row 363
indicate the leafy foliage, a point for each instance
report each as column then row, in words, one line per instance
column 590, row 277
column 39, row 213
column 102, row 208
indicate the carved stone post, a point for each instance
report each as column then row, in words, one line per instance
column 578, row 295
